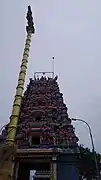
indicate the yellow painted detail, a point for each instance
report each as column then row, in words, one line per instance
column 54, row 169
column 10, row 139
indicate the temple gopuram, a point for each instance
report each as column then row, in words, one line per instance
column 45, row 135
column 40, row 127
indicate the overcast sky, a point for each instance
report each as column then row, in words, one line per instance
column 69, row 30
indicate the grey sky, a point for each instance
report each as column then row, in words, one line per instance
column 70, row 30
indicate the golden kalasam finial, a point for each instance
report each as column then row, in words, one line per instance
column 30, row 27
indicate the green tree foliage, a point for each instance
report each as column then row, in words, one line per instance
column 87, row 167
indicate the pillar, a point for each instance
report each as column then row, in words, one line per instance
column 53, row 168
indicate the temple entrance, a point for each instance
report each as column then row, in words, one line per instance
column 33, row 171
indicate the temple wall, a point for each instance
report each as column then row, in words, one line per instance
column 67, row 168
